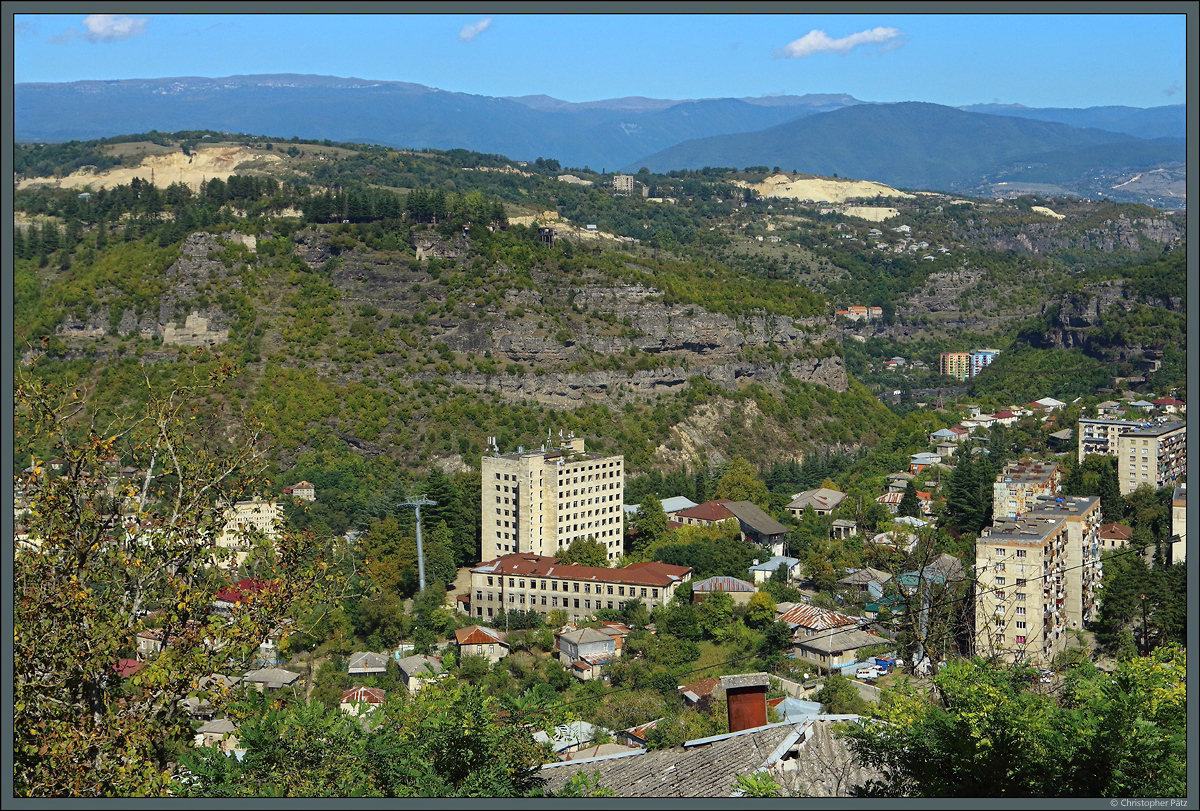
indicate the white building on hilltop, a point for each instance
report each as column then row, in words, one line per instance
column 538, row 501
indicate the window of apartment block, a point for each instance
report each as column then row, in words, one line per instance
column 1021, row 609
column 643, row 592
column 1021, row 596
column 489, row 581
column 655, row 593
column 1020, row 624
column 576, row 585
column 577, row 602
column 1020, row 553
column 610, row 589
column 1020, row 640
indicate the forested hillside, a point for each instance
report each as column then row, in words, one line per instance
column 384, row 311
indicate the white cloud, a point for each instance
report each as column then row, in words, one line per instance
column 816, row 41
column 471, row 30
column 102, row 27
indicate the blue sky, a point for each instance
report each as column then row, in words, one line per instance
column 1037, row 60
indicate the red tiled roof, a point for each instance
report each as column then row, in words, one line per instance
column 242, row 590
column 703, row 687
column 1115, row 531
column 638, row 574
column 708, row 511
column 127, row 667
column 1166, row 401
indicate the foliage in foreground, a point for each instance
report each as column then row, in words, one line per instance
column 106, row 558
column 445, row 741
column 996, row 734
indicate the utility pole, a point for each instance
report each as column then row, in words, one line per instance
column 418, row 502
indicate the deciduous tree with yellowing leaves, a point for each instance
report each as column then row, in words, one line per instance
column 99, row 557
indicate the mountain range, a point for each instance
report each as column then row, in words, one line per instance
column 910, row 144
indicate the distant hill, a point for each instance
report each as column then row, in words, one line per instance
column 596, row 134
column 1152, row 122
column 909, row 144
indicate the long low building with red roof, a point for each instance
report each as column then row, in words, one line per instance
column 520, row 582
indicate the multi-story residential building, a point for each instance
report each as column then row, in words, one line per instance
column 1100, row 435
column 1179, row 524
column 1020, row 483
column 623, row 183
column 1036, row 577
column 955, row 364
column 537, row 583
column 539, row 501
column 1153, row 454
column 246, row 518
column 981, row 358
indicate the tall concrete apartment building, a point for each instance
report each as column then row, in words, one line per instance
column 961, row 365
column 535, row 502
column 1020, row 483
column 955, row 364
column 1154, row 454
column 981, row 358
column 1037, row 577
column 1100, row 436
column 623, row 183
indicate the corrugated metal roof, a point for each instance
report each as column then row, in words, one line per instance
column 723, row 583
column 820, row 619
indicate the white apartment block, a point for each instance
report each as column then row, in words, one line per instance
column 247, row 517
column 1153, row 454
column 1036, row 577
column 1020, row 483
column 1100, row 436
column 536, row 502
column 623, row 183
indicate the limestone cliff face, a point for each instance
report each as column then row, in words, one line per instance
column 1048, row 237
column 576, row 340
column 1074, row 314
column 186, row 279
column 561, row 388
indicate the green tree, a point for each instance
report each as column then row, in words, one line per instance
column 760, row 611
column 715, row 614
column 446, row 741
column 994, row 734
column 909, row 504
column 839, row 695
column 584, row 552
column 740, row 482
column 650, row 524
